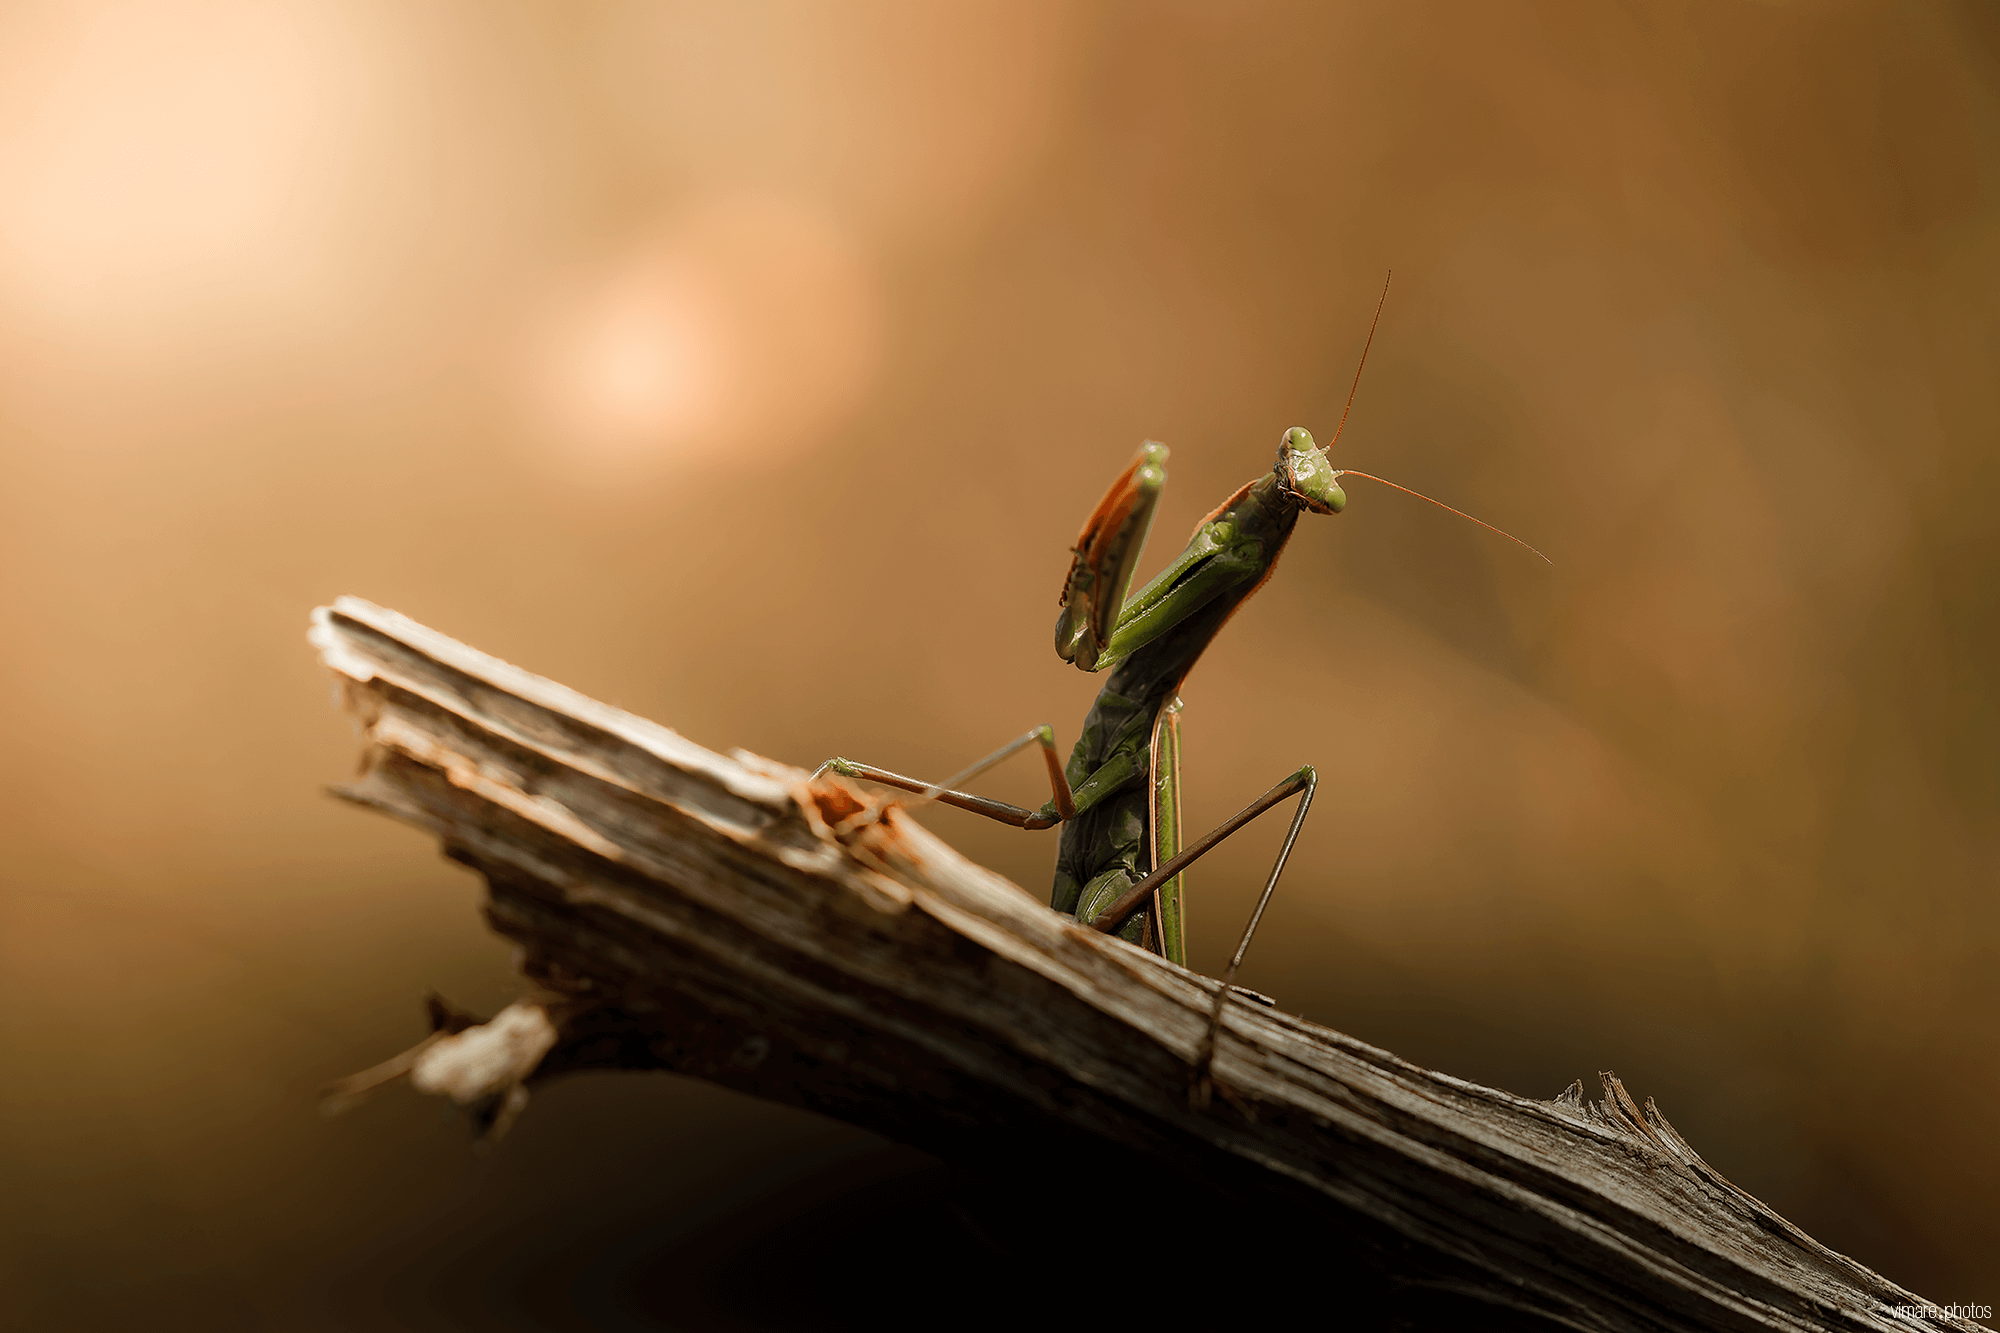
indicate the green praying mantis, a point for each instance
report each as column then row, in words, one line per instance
column 1120, row 866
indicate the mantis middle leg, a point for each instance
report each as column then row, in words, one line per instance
column 947, row 793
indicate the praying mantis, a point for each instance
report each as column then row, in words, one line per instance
column 1119, row 868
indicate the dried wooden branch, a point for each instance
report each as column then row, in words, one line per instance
column 727, row 918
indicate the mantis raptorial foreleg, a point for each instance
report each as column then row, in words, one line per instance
column 1104, row 557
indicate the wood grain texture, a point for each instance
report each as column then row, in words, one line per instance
column 725, row 917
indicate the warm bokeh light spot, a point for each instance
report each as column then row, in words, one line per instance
column 161, row 156
column 642, row 368
column 746, row 315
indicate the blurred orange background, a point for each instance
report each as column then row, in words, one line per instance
column 751, row 366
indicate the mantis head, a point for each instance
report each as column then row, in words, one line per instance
column 1305, row 474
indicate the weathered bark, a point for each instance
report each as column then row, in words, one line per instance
column 727, row 918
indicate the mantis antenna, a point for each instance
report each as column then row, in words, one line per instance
column 1350, row 472
column 1380, row 302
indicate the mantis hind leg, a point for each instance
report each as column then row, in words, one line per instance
column 946, row 792
column 1301, row 784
